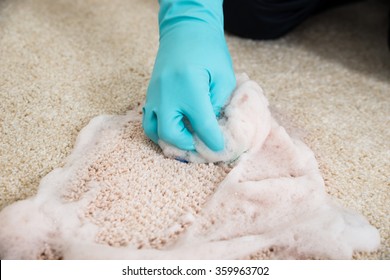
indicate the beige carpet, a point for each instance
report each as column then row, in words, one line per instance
column 64, row 62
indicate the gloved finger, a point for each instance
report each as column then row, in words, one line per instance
column 149, row 124
column 205, row 124
column 172, row 130
column 221, row 90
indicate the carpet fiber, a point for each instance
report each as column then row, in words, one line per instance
column 64, row 62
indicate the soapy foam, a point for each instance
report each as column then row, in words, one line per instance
column 245, row 124
column 99, row 207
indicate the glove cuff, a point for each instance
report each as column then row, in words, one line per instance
column 173, row 12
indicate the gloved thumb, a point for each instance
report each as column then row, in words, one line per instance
column 205, row 125
column 221, row 92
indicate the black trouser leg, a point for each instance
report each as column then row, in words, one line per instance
column 270, row 19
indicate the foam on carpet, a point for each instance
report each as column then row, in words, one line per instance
column 272, row 198
column 64, row 62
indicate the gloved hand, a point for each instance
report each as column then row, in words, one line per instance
column 192, row 77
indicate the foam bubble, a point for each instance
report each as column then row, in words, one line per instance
column 273, row 197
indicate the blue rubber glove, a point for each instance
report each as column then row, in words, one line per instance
column 193, row 75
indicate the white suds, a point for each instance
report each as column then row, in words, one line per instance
column 274, row 197
column 245, row 123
